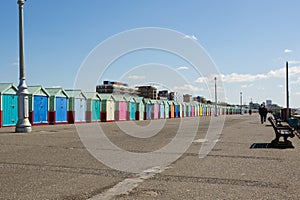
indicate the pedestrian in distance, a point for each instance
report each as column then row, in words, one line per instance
column 263, row 113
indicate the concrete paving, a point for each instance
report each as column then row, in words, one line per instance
column 52, row 163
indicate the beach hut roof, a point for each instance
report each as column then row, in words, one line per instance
column 56, row 92
column 75, row 93
column 92, row 95
column 8, row 88
column 129, row 98
column 106, row 96
column 147, row 100
column 176, row 103
column 37, row 89
column 118, row 97
column 139, row 99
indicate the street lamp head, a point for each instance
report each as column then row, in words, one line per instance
column 21, row 2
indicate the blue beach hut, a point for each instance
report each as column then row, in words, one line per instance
column 9, row 104
column 38, row 99
column 58, row 106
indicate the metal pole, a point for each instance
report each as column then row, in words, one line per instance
column 287, row 92
column 23, row 124
column 216, row 99
column 241, row 103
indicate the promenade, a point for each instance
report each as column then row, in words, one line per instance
column 52, row 163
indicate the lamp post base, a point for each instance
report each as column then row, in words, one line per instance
column 23, row 129
column 23, row 126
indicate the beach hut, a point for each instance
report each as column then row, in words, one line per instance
column 107, row 112
column 180, row 109
column 38, row 99
column 76, row 106
column 192, row 109
column 171, row 109
column 120, row 107
column 140, row 108
column 148, row 106
column 167, row 109
column 93, row 106
column 204, row 110
column 130, row 107
column 161, row 109
column 189, row 109
column 196, row 106
column 176, row 109
column 8, row 104
column 184, row 110
column 155, row 109
column 58, row 108
column 200, row 109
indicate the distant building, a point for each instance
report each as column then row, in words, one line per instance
column 163, row 95
column 112, row 87
column 147, row 92
column 268, row 102
column 171, row 95
column 199, row 99
column 187, row 98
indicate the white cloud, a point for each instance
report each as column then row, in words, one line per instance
column 280, row 86
column 296, row 82
column 240, row 78
column 280, row 73
column 56, row 86
column 192, row 37
column 136, row 77
column 247, row 86
column 182, row 68
column 294, row 62
column 288, row 51
column 187, row 88
column 233, row 78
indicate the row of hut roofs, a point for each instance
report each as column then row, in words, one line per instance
column 56, row 105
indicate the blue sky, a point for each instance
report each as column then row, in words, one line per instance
column 249, row 41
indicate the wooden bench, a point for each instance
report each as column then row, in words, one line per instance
column 281, row 130
column 277, row 119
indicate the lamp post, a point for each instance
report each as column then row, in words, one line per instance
column 23, row 124
column 241, row 103
column 216, row 111
column 287, row 92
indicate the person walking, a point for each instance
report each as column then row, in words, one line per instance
column 263, row 113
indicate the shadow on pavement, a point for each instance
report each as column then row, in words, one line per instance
column 269, row 146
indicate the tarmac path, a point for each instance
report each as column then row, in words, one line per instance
column 52, row 163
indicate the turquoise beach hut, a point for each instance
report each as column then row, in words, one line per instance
column 8, row 105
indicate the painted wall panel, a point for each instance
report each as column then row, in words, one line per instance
column 40, row 109
column 193, row 111
column 167, row 110
column 132, row 111
column 61, row 109
column 161, row 111
column 80, row 109
column 122, row 111
column 176, row 110
column 10, row 109
column 110, row 111
column 95, row 110
column 148, row 111
column 156, row 111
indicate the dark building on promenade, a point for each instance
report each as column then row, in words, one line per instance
column 147, row 92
